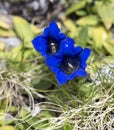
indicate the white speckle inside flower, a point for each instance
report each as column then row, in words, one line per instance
column 70, row 65
column 66, row 45
column 53, row 47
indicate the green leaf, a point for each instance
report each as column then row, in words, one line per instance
column 76, row 6
column 4, row 25
column 83, row 36
column 95, row 7
column 99, row 64
column 106, row 13
column 41, row 83
column 37, row 120
column 7, row 33
column 36, row 30
column 22, row 52
column 23, row 28
column 81, row 12
column 99, row 35
column 46, row 114
column 71, row 27
column 23, row 112
column 109, row 47
column 7, row 128
column 88, row 20
column 109, row 59
column 68, row 127
column 20, row 127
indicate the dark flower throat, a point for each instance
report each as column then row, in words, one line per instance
column 70, row 64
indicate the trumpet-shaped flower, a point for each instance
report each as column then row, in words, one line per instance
column 69, row 63
column 49, row 42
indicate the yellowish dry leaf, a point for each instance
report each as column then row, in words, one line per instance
column 99, row 35
column 7, row 128
column 23, row 28
column 4, row 25
column 6, row 33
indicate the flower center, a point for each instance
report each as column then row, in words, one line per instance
column 70, row 64
column 53, row 47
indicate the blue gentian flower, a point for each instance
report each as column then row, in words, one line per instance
column 49, row 42
column 69, row 63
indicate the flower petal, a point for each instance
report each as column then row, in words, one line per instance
column 46, row 32
column 53, row 61
column 84, row 56
column 55, row 69
column 77, row 49
column 53, row 30
column 79, row 72
column 40, row 44
column 61, row 36
column 67, row 46
column 61, row 78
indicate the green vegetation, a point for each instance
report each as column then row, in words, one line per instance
column 29, row 96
